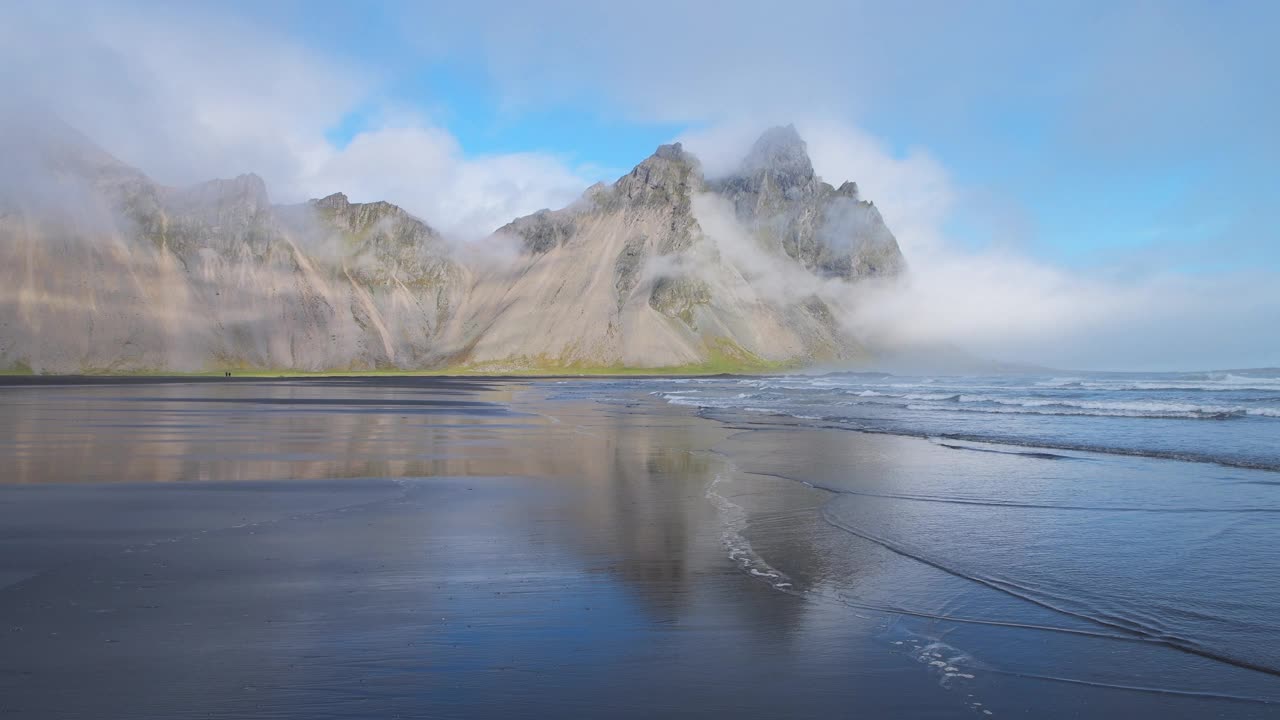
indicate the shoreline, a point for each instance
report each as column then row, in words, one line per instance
column 20, row 379
column 474, row 546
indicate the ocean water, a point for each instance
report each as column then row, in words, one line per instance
column 1230, row 418
column 1113, row 530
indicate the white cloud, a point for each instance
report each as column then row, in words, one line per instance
column 193, row 94
column 999, row 302
column 184, row 98
column 1069, row 100
column 191, row 97
column 424, row 170
column 914, row 191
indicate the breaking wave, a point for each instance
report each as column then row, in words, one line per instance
column 1228, row 418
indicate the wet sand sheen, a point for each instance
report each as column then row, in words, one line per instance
column 453, row 548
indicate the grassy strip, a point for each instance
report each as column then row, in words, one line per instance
column 19, row 368
column 724, row 357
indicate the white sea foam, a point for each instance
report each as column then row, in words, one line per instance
column 680, row 400
column 1061, row 382
column 1105, row 408
column 733, row 520
column 1213, row 382
column 932, row 396
column 1189, row 412
column 1129, row 407
column 989, row 403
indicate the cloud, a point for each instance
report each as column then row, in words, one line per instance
column 197, row 95
column 423, row 168
column 1065, row 124
column 184, row 98
column 671, row 60
column 915, row 187
column 1132, row 91
column 997, row 300
column 1012, row 307
column 1121, row 69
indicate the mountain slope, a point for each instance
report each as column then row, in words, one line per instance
column 103, row 269
column 665, row 268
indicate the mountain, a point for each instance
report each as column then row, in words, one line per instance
column 829, row 231
column 102, row 269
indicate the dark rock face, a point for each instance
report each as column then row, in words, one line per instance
column 542, row 230
column 666, row 180
column 627, row 267
column 857, row 242
column 667, row 177
column 225, row 215
column 361, row 219
column 782, row 156
column 677, row 297
column 776, row 193
column 383, row 244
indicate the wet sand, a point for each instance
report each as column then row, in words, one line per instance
column 401, row 547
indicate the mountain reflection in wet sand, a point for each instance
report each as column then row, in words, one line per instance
column 462, row 548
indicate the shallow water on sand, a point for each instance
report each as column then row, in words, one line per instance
column 1138, row 570
column 464, row 548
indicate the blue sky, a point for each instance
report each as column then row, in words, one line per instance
column 1130, row 143
column 1111, row 130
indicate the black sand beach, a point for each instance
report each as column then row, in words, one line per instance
column 406, row 547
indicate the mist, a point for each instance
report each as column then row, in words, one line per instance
column 900, row 102
column 197, row 93
column 1000, row 302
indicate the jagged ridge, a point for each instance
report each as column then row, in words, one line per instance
column 632, row 275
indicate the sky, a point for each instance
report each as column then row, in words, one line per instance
column 1083, row 184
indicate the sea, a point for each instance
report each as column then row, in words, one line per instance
column 1230, row 417
column 1117, row 530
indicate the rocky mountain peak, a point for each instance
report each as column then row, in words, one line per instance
column 336, row 201
column 774, row 176
column 543, row 230
column 829, row 231
column 665, row 180
column 780, row 151
column 674, row 151
column 377, row 222
column 628, row 275
column 224, row 214
column 245, row 194
column 666, row 176
column 848, row 189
